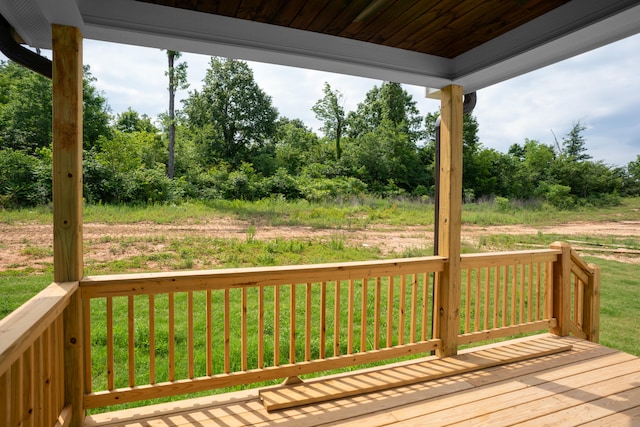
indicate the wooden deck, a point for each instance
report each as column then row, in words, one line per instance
column 587, row 385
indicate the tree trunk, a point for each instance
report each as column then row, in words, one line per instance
column 172, row 124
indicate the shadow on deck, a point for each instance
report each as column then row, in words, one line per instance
column 582, row 383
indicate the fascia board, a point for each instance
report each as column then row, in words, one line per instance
column 543, row 41
column 162, row 27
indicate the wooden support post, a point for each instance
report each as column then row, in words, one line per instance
column 591, row 305
column 561, row 308
column 450, row 219
column 67, row 202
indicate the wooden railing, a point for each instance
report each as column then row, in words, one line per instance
column 223, row 328
column 505, row 294
column 32, row 387
column 164, row 334
column 585, row 289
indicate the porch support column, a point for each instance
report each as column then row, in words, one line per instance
column 67, row 202
column 449, row 219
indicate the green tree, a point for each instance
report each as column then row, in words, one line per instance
column 632, row 177
column 573, row 144
column 25, row 109
column 96, row 113
column 232, row 117
column 330, row 111
column 296, row 146
column 177, row 74
column 385, row 158
column 130, row 121
column 388, row 102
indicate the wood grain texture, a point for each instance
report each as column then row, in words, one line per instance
column 444, row 28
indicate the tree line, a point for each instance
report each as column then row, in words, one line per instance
column 228, row 141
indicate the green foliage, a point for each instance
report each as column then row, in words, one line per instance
column 230, row 144
column 390, row 103
column 330, row 111
column 25, row 180
column 130, row 121
column 25, row 108
column 233, row 116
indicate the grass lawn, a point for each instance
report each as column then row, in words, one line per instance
column 620, row 299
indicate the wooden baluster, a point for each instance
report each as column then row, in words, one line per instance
column 307, row 324
column 227, row 331
column 209, row 339
column 522, row 293
column 487, row 297
column 28, row 388
column 292, row 324
column 496, row 296
column 16, row 402
column 414, row 308
column 505, row 295
column 539, row 275
column 5, row 399
column 476, row 320
column 401, row 314
column 243, row 330
column 47, row 351
column 425, row 306
column 350, row 313
column 110, row 354
column 363, row 316
column 131, row 341
column 323, row 319
column 530, row 296
column 152, row 339
column 172, row 342
column 276, row 326
column 514, row 293
column 467, row 302
column 336, row 320
column 390, row 304
column 190, row 340
column 260, row 327
column 376, row 316
column 87, row 346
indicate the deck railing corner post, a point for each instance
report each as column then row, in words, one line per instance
column 561, row 307
column 591, row 305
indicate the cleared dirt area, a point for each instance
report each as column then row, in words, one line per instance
column 26, row 245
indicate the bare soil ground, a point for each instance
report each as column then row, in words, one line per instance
column 25, row 245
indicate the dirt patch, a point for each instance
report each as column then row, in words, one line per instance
column 25, row 245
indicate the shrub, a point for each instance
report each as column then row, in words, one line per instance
column 502, row 204
column 25, row 180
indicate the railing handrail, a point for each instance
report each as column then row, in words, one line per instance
column 187, row 281
column 22, row 327
column 492, row 259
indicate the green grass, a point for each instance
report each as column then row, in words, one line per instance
column 620, row 302
column 344, row 214
column 620, row 305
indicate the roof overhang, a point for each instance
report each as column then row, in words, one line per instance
column 566, row 31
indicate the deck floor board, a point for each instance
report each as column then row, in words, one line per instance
column 588, row 384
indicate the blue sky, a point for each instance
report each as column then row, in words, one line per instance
column 601, row 89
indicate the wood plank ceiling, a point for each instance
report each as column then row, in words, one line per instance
column 445, row 28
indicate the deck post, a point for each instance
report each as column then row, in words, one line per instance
column 67, row 202
column 591, row 305
column 449, row 218
column 561, row 308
